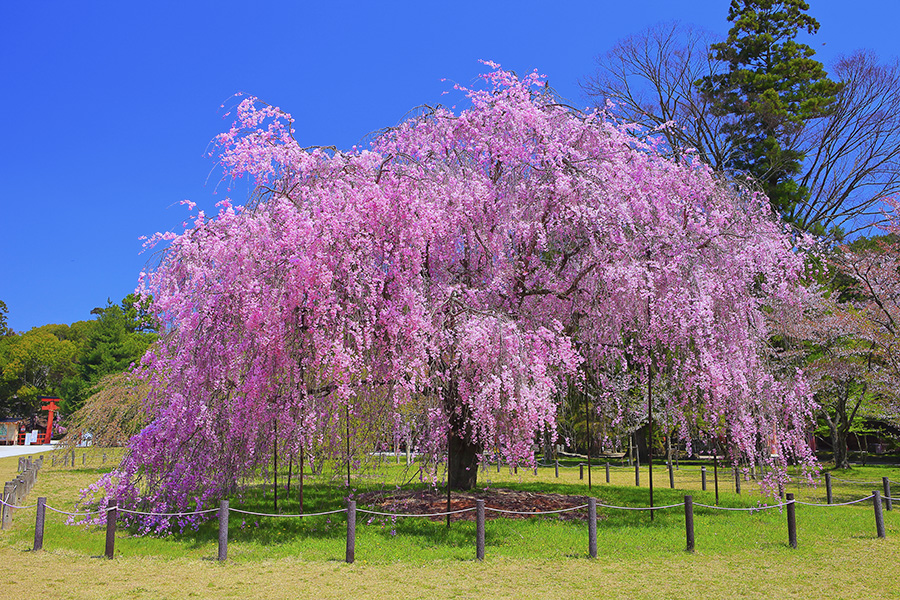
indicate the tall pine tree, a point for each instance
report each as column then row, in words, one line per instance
column 772, row 87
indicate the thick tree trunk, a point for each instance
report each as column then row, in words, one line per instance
column 462, row 463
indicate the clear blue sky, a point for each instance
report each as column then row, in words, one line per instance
column 108, row 107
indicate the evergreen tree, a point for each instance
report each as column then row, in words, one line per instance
column 772, row 87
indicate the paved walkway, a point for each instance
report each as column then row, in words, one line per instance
column 6, row 451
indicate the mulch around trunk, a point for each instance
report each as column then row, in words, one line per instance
column 435, row 501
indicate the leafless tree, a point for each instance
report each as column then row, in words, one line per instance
column 851, row 154
column 648, row 78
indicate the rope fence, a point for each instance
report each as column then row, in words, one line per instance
column 480, row 509
column 15, row 492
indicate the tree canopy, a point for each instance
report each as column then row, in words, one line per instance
column 452, row 281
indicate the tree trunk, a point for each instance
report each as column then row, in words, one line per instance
column 839, row 445
column 462, row 463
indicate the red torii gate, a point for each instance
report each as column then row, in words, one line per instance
column 51, row 407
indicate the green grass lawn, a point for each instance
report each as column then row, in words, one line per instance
column 738, row 554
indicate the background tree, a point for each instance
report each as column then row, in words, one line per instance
column 33, row 365
column 113, row 415
column 4, row 327
column 773, row 87
column 850, row 152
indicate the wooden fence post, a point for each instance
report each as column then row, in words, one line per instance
column 39, row 524
column 888, row 501
column 879, row 516
column 607, row 472
column 351, row 531
column 703, row 478
column 592, row 527
column 737, row 481
column 637, row 473
column 671, row 474
column 828, row 496
column 556, row 465
column 580, row 471
column 479, row 529
column 792, row 522
column 689, row 522
column 223, row 530
column 111, row 516
column 6, row 511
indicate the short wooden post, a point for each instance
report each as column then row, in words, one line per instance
column 607, row 472
column 66, row 459
column 5, row 510
column 879, row 516
column 556, row 465
column 39, row 523
column 21, row 465
column 737, row 481
column 111, row 516
column 828, row 496
column 351, row 531
column 888, row 504
column 83, row 455
column 73, row 458
column 637, row 473
column 703, row 478
column 592, row 527
column 498, row 465
column 671, row 475
column 580, row 471
column 479, row 529
column 223, row 530
column 791, row 521
column 689, row 522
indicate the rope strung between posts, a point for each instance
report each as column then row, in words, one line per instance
column 545, row 512
column 839, row 503
column 859, row 482
column 256, row 514
column 14, row 506
column 441, row 514
column 640, row 507
column 77, row 514
column 156, row 514
column 749, row 509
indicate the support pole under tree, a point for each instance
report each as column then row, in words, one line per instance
column 703, row 478
column 689, row 522
column 716, row 473
column 587, row 416
column 275, row 465
column 300, row 475
column 888, row 501
column 828, row 496
column 347, row 416
column 791, row 521
column 650, row 416
column 223, row 530
column 112, row 514
column 39, row 523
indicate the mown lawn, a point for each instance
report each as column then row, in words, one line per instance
column 738, row 554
